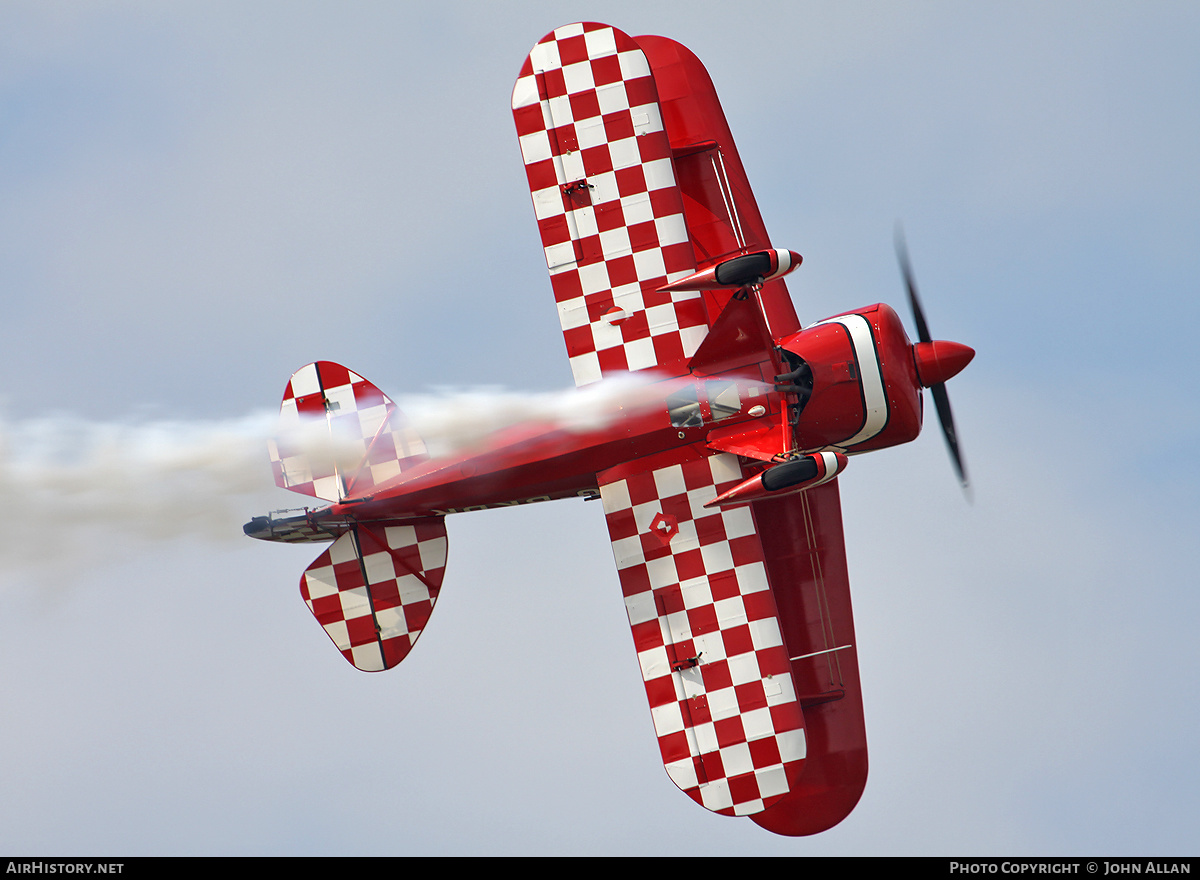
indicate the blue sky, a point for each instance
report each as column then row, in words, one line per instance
column 197, row 199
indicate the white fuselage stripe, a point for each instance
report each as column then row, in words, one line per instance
column 870, row 377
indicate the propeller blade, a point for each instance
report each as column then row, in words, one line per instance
column 941, row 400
column 911, row 284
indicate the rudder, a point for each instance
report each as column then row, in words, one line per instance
column 339, row 435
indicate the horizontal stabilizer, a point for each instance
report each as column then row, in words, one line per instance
column 339, row 435
column 373, row 590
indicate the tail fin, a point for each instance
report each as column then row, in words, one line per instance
column 374, row 588
column 339, row 435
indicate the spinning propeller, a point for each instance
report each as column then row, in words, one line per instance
column 936, row 361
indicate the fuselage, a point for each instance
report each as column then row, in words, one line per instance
column 858, row 390
column 543, row 461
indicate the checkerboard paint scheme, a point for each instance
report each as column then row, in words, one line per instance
column 374, row 589
column 706, row 629
column 608, row 207
column 339, row 435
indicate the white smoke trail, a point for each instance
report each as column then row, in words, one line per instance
column 453, row 420
column 76, row 490
column 81, row 492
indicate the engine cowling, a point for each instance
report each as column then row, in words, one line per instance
column 866, row 392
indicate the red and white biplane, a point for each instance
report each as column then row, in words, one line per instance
column 718, row 480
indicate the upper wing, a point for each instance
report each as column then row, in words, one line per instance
column 707, row 632
column 719, row 206
column 608, row 207
column 745, row 637
column 636, row 182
